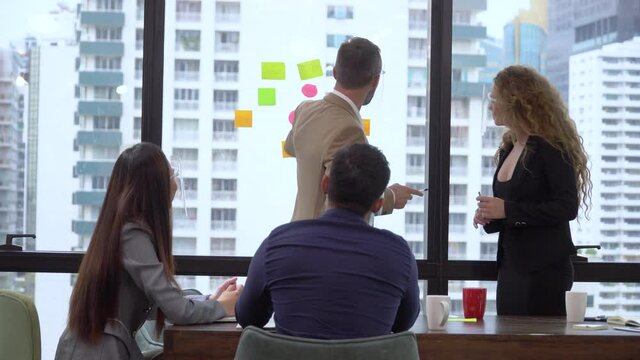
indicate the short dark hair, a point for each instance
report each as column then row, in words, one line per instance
column 358, row 61
column 359, row 175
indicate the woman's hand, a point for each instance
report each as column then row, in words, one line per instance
column 478, row 219
column 231, row 283
column 229, row 297
column 490, row 208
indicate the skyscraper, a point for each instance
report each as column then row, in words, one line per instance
column 525, row 37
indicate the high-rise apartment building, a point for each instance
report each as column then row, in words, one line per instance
column 604, row 97
column 576, row 26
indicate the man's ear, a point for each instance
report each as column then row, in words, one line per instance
column 375, row 81
column 324, row 184
column 377, row 205
column 333, row 71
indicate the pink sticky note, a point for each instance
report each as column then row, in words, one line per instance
column 309, row 90
column 291, row 118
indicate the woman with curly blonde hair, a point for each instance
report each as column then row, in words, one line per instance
column 540, row 182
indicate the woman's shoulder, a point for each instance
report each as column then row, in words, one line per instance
column 135, row 229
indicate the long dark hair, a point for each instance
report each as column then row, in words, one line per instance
column 138, row 192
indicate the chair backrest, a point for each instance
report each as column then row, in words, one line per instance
column 19, row 327
column 258, row 344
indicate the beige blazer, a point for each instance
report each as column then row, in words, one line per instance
column 321, row 128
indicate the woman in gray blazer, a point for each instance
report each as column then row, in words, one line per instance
column 127, row 272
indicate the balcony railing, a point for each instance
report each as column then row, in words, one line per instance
column 188, row 16
column 230, row 195
column 187, row 75
column 225, row 136
column 227, row 47
column 186, row 104
column 226, row 76
column 225, row 105
column 227, row 225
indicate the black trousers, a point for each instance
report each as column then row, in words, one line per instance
column 538, row 292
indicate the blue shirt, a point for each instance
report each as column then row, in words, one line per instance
column 334, row 277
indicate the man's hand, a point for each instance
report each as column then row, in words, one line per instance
column 229, row 284
column 403, row 194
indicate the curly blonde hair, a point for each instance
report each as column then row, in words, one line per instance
column 533, row 106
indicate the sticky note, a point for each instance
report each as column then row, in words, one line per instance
column 310, row 69
column 366, row 126
column 309, row 90
column 266, row 96
column 292, row 117
column 285, row 154
column 273, row 71
column 243, row 118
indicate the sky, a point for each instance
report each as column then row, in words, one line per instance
column 498, row 13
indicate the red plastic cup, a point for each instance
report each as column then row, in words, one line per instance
column 474, row 300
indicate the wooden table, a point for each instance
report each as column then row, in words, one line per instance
column 504, row 337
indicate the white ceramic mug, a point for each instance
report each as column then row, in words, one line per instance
column 437, row 311
column 576, row 303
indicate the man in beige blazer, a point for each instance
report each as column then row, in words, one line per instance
column 323, row 127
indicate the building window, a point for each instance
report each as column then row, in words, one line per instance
column 225, row 100
column 457, row 223
column 108, row 34
column 417, row 77
column 462, row 17
column 137, row 127
column 335, row 40
column 137, row 98
column 190, row 188
column 99, row 182
column 184, row 245
column 458, row 194
column 224, row 159
column 188, row 10
column 188, row 158
column 185, row 221
column 488, row 166
column 458, row 165
column 104, row 152
column 418, row 19
column 457, row 250
column 185, row 129
column 227, row 41
column 102, row 93
column 106, row 123
column 460, row 108
column 108, row 63
column 416, row 106
column 187, row 70
column 224, row 130
column 187, row 40
column 224, row 189
column 223, row 246
column 186, row 99
column 138, row 71
column 415, row 164
column 492, row 137
column 416, row 135
column 417, row 49
column 225, row 70
column 223, row 219
column 139, row 39
column 109, row 5
column 339, row 12
column 227, row 11
column 488, row 250
column 414, row 222
column 459, row 136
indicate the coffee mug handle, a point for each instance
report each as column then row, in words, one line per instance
column 445, row 312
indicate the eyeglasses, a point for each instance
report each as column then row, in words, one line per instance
column 176, row 173
column 490, row 99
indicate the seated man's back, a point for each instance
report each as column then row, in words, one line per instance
column 335, row 277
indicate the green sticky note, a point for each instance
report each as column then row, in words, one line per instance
column 266, row 96
column 273, row 71
column 310, row 69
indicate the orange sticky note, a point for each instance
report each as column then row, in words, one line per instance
column 243, row 118
column 366, row 125
column 285, row 154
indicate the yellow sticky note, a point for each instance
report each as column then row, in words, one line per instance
column 310, row 69
column 285, row 154
column 266, row 96
column 366, row 126
column 273, row 71
column 243, row 118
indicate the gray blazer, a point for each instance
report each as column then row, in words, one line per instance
column 143, row 286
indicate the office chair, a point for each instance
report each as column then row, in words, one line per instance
column 258, row 344
column 19, row 327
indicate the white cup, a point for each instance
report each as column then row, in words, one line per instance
column 576, row 305
column 437, row 311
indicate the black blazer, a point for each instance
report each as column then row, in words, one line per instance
column 541, row 201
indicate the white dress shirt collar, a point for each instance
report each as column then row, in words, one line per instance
column 351, row 103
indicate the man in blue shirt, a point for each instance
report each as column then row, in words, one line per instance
column 336, row 277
